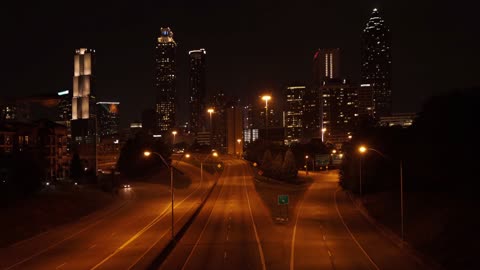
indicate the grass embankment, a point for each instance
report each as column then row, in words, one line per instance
column 443, row 228
column 269, row 189
column 53, row 206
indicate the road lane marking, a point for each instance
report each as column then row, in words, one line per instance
column 324, row 238
column 204, row 227
column 351, row 234
column 224, row 255
column 146, row 228
column 260, row 250
column 292, row 248
column 92, row 246
column 179, row 219
column 67, row 238
column 329, row 253
column 60, row 266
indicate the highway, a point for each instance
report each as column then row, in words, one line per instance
column 235, row 230
column 224, row 235
column 114, row 238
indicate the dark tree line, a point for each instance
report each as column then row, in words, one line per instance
column 439, row 152
column 132, row 162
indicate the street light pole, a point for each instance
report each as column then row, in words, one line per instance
column 147, row 154
column 174, row 133
column 401, row 200
column 173, row 200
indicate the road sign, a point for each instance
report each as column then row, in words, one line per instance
column 282, row 199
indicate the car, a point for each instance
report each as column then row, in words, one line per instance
column 126, row 186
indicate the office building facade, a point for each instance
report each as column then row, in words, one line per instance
column 376, row 69
column 165, row 79
column 197, row 87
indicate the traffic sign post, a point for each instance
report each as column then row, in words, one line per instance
column 283, row 200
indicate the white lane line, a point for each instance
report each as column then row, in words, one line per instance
column 144, row 229
column 329, row 253
column 203, row 230
column 260, row 250
column 225, row 255
column 60, row 266
column 292, row 249
column 92, row 246
column 324, row 238
column 67, row 238
column 351, row 234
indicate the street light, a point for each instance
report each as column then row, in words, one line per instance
column 210, row 111
column 214, row 154
column 362, row 149
column 148, row 154
column 174, row 133
column 266, row 98
column 306, row 165
column 239, row 141
column 323, row 133
column 334, row 151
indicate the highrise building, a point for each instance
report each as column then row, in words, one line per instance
column 311, row 113
column 339, row 112
column 65, row 110
column 84, row 129
column 376, row 69
column 108, row 114
column 165, row 78
column 326, row 65
column 234, row 130
column 219, row 125
column 294, row 108
column 197, row 86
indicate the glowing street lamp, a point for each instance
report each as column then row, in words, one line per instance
column 174, row 133
column 214, row 154
column 266, row 98
column 323, row 133
column 306, row 165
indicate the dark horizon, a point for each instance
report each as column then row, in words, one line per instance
column 250, row 48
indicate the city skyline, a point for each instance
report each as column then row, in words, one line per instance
column 122, row 80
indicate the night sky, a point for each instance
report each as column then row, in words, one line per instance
column 251, row 47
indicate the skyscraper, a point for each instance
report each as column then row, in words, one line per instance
column 165, row 78
column 108, row 114
column 377, row 63
column 339, row 113
column 197, row 86
column 219, row 125
column 83, row 102
column 294, row 109
column 84, row 128
column 326, row 65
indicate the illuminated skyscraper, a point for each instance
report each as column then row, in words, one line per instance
column 377, row 63
column 83, row 102
column 340, row 110
column 197, row 86
column 326, row 65
column 84, row 126
column 294, row 109
column 165, row 78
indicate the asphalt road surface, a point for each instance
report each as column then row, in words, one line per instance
column 113, row 238
column 235, row 230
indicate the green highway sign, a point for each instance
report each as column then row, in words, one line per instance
column 282, row 199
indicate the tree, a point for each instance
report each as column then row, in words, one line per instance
column 267, row 161
column 289, row 168
column 76, row 168
column 277, row 166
